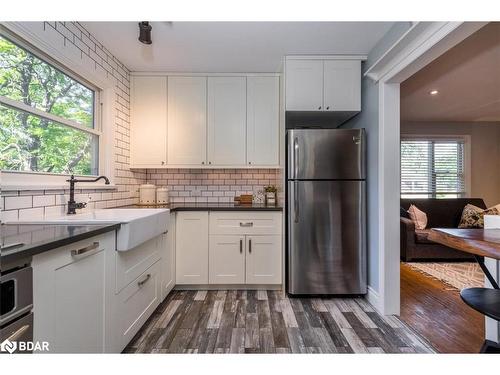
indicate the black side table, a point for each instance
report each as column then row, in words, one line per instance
column 487, row 302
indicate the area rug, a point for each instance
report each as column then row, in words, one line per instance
column 457, row 275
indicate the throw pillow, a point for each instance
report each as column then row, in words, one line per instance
column 473, row 216
column 418, row 217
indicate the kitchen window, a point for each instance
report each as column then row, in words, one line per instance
column 433, row 167
column 48, row 116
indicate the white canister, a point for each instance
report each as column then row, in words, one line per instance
column 147, row 194
column 162, row 195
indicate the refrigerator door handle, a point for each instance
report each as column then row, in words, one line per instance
column 295, row 203
column 295, row 157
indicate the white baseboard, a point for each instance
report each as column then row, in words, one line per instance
column 373, row 299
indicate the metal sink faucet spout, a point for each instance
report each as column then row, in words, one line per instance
column 72, row 205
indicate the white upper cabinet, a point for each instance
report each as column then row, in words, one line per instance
column 148, row 116
column 187, row 120
column 263, row 120
column 226, row 120
column 205, row 121
column 329, row 84
column 304, row 85
column 342, row 85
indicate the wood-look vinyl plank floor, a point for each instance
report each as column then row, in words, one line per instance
column 237, row 321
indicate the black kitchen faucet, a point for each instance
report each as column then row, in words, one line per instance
column 72, row 205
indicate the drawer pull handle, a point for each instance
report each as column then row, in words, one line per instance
column 142, row 282
column 249, row 224
column 18, row 333
column 84, row 250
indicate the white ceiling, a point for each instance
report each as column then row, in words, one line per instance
column 232, row 46
column 467, row 78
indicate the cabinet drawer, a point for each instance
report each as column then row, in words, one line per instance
column 241, row 223
column 136, row 303
column 130, row 264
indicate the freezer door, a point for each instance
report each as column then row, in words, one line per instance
column 326, row 154
column 326, row 237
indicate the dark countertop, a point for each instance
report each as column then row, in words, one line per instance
column 38, row 238
column 211, row 207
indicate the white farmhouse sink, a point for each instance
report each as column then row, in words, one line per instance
column 137, row 225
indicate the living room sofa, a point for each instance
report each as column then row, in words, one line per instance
column 441, row 213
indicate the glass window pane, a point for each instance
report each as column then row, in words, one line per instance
column 27, row 79
column 30, row 143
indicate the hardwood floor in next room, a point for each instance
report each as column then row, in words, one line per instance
column 436, row 311
column 238, row 321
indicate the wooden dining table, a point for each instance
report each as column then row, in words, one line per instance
column 480, row 243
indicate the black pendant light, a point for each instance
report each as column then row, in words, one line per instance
column 145, row 32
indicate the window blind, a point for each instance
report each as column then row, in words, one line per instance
column 432, row 168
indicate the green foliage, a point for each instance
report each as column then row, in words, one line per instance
column 31, row 143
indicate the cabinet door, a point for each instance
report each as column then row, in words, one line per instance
column 342, row 87
column 191, row 248
column 263, row 120
column 226, row 120
column 68, row 296
column 187, row 120
column 304, row 85
column 263, row 260
column 227, row 260
column 148, row 117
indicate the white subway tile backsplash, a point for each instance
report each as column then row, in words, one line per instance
column 12, row 203
column 9, row 216
column 31, row 214
column 44, row 200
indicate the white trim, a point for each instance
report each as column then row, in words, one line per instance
column 428, row 41
column 414, row 43
column 389, row 158
column 373, row 298
column 46, row 115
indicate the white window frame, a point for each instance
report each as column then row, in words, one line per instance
column 104, row 113
column 448, row 137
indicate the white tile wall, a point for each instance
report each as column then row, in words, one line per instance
column 212, row 185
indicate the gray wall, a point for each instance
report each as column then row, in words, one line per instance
column 368, row 119
column 484, row 152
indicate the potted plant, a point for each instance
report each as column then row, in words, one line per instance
column 270, row 194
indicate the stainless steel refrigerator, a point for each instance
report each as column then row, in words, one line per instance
column 326, row 211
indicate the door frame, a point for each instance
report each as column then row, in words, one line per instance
column 418, row 46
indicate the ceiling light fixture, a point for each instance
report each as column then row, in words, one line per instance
column 145, row 32
column 434, row 92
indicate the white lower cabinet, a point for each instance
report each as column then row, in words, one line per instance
column 263, row 260
column 69, row 295
column 224, row 248
column 226, row 259
column 134, row 304
column 191, row 247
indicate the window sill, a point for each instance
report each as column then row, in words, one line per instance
column 38, row 187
